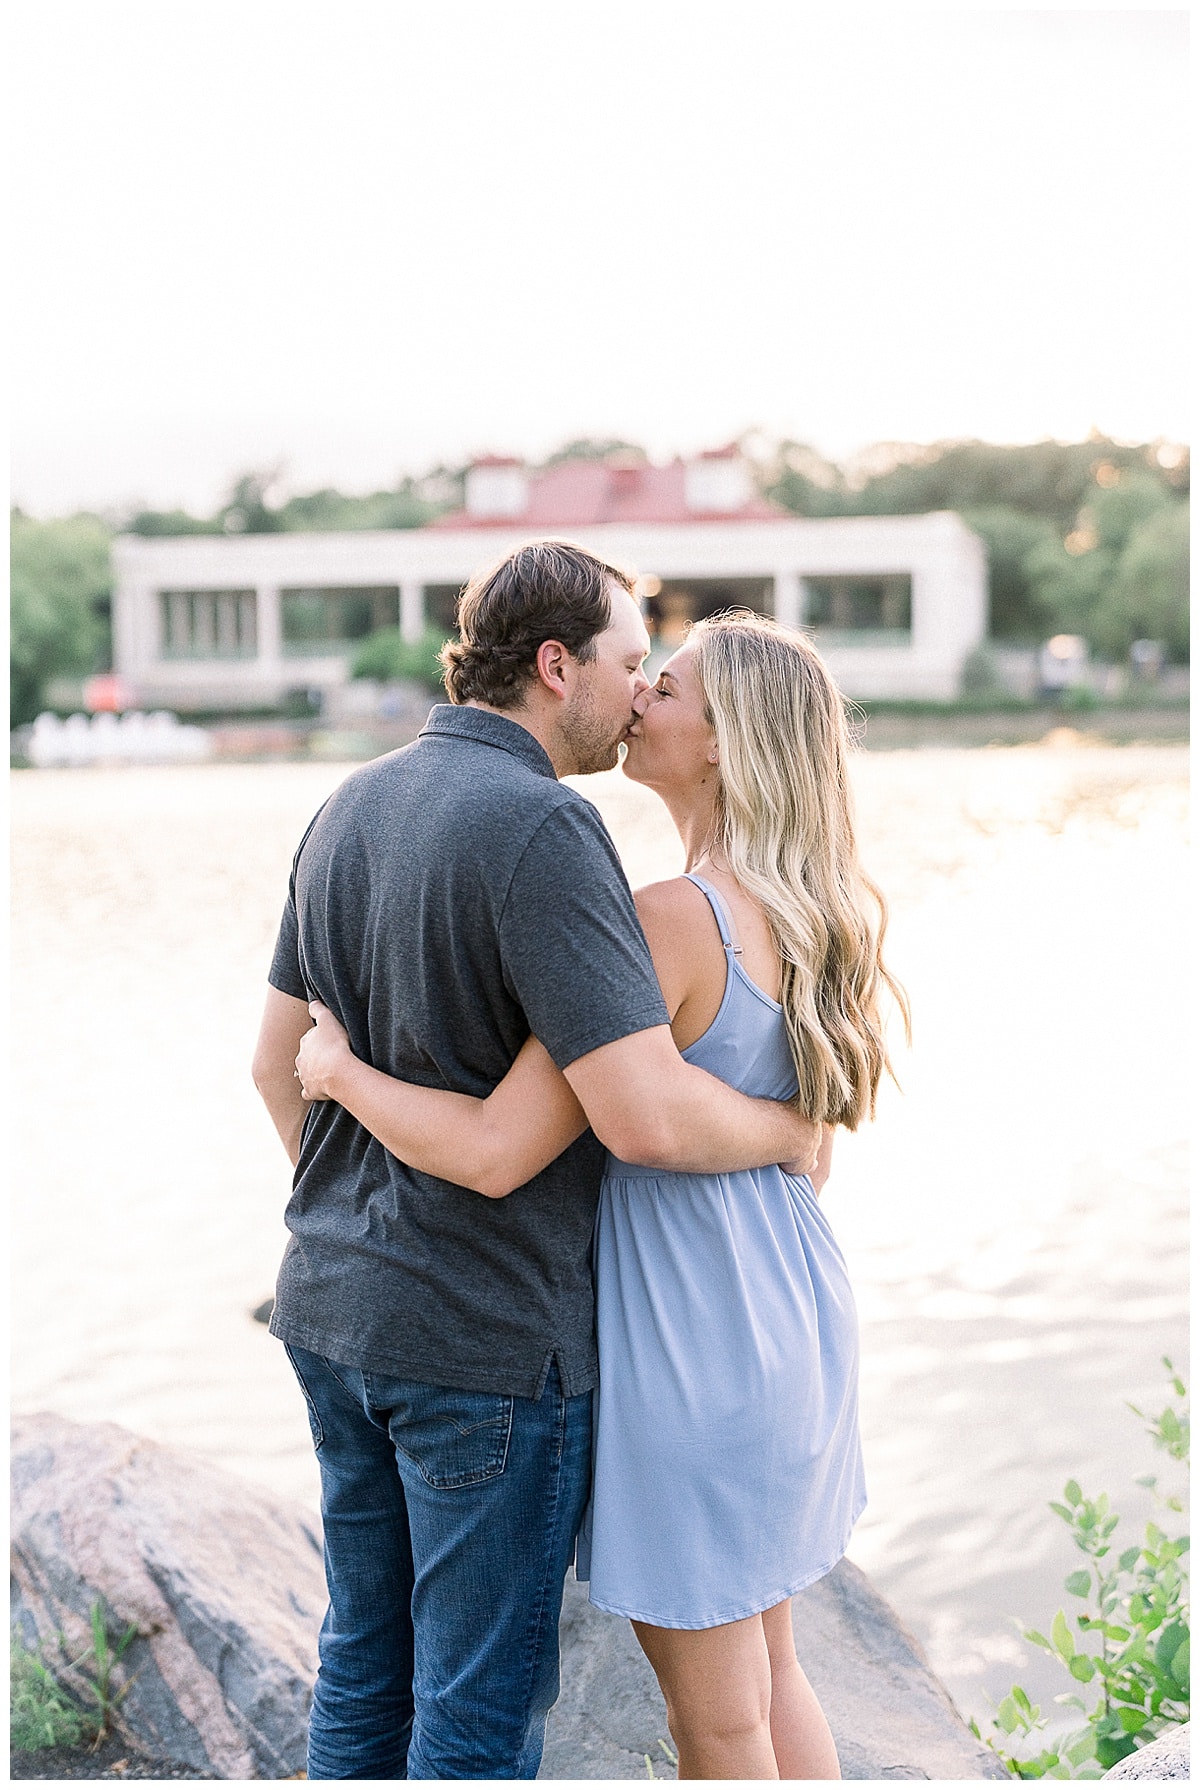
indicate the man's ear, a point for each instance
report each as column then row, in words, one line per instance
column 552, row 662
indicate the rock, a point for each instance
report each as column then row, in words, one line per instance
column 890, row 1716
column 225, row 1586
column 223, row 1581
column 1170, row 1756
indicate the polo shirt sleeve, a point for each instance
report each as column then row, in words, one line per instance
column 285, row 973
column 573, row 952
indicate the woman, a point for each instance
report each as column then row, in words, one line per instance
column 727, row 1467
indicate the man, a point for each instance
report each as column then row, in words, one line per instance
column 449, row 899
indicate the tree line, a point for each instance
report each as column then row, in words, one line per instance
column 1083, row 537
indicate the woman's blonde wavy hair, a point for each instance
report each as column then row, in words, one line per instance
column 785, row 827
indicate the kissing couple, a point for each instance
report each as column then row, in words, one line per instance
column 558, row 1283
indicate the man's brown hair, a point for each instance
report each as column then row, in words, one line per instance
column 546, row 590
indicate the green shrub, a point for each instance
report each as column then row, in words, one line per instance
column 61, row 583
column 1134, row 1633
column 43, row 1714
column 391, row 659
column 40, row 1713
column 981, row 674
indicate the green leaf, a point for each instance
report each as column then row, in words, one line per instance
column 1169, row 1642
column 1079, row 1583
column 1021, row 1699
column 1133, row 1720
column 1072, row 1493
column 1037, row 1639
column 1084, row 1748
column 1129, row 1559
column 1083, row 1667
column 1110, row 1751
column 1007, row 1718
column 1060, row 1510
column 1060, row 1635
column 1180, row 1667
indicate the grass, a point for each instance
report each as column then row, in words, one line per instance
column 40, row 1713
column 44, row 1714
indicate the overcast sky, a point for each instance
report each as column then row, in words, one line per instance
column 355, row 238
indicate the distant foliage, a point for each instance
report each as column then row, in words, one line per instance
column 61, row 590
column 1084, row 537
column 1131, row 1643
column 1012, row 538
column 1148, row 596
column 249, row 508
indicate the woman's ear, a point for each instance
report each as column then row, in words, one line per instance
column 714, row 753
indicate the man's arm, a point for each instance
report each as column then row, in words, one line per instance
column 284, row 1022
column 649, row 1106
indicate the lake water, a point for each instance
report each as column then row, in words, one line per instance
column 1014, row 1222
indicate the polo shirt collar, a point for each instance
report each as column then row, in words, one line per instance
column 489, row 729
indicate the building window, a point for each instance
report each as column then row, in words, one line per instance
column 319, row 622
column 441, row 606
column 881, row 605
column 208, row 624
column 672, row 604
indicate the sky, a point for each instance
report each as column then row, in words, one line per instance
column 350, row 241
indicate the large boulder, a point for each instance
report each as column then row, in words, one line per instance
column 223, row 1582
column 891, row 1718
column 224, row 1585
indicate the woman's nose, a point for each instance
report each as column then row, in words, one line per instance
column 642, row 700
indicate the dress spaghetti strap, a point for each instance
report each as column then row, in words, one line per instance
column 721, row 914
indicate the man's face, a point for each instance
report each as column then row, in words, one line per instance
column 600, row 706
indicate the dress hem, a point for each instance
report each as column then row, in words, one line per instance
column 766, row 1603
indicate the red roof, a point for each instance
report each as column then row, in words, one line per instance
column 580, row 493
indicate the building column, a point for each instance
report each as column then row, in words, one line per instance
column 789, row 599
column 134, row 628
column 269, row 624
column 412, row 610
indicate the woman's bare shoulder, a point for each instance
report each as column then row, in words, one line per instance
column 686, row 949
column 675, row 916
column 670, row 902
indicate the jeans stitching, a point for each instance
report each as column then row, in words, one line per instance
column 314, row 1421
column 477, row 1476
column 537, row 1633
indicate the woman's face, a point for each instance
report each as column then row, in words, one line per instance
column 670, row 743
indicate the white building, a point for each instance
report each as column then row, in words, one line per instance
column 895, row 603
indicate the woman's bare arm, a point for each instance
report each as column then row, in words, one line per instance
column 820, row 1174
column 284, row 1023
column 491, row 1146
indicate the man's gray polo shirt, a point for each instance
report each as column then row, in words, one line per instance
column 446, row 901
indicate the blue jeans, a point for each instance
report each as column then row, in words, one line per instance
column 450, row 1519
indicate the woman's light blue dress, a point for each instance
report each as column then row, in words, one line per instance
column 728, row 1472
